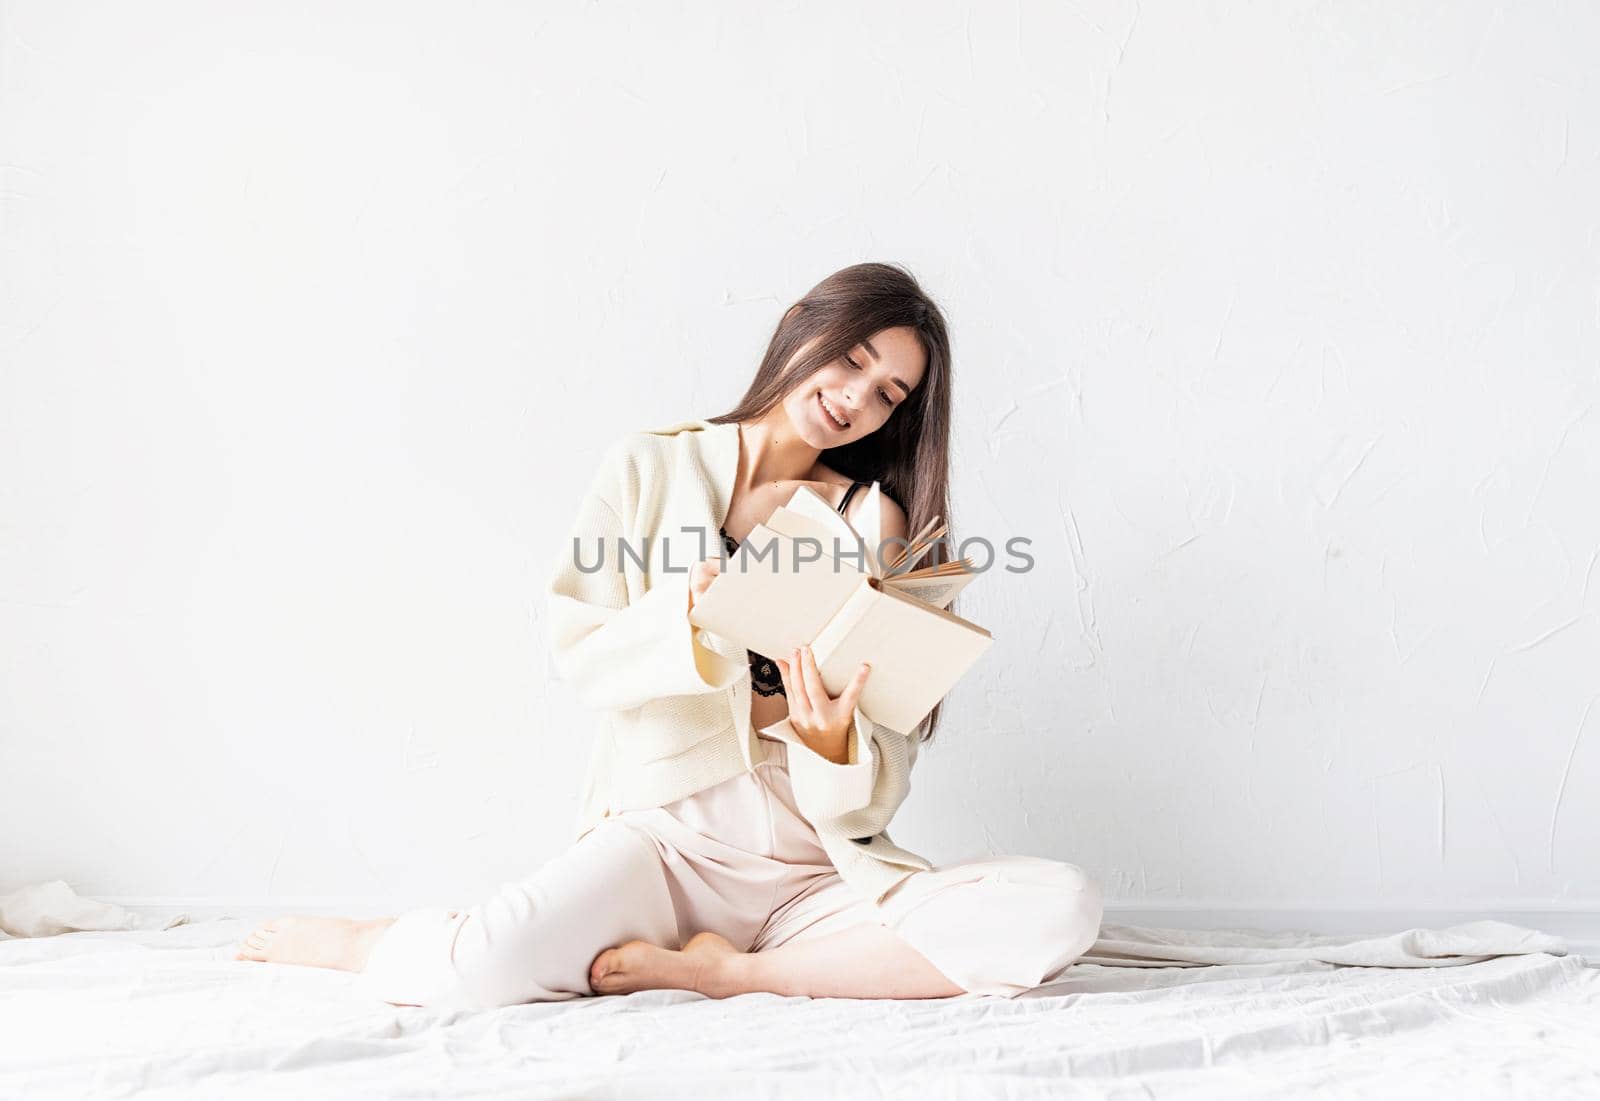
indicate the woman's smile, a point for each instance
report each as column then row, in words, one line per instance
column 831, row 413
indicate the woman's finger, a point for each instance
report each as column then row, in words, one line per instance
column 808, row 673
column 701, row 575
column 852, row 691
column 800, row 702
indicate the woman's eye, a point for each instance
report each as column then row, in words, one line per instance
column 854, row 366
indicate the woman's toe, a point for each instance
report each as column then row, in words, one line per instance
column 604, row 964
column 254, row 945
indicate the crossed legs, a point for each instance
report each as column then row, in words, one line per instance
column 604, row 917
column 600, row 918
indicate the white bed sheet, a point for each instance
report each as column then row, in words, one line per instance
column 170, row 1014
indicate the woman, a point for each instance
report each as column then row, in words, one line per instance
column 734, row 829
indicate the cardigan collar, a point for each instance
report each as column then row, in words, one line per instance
column 719, row 448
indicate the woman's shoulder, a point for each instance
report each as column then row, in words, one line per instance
column 647, row 438
column 824, row 476
column 894, row 516
column 647, row 444
column 678, row 428
column 643, row 463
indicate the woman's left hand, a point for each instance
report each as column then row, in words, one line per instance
column 821, row 721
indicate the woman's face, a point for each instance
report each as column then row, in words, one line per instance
column 862, row 388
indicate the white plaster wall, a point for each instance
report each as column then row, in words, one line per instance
column 1277, row 330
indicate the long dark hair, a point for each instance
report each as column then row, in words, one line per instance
column 910, row 454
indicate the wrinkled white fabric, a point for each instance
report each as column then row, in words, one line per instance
column 1136, row 946
column 47, row 909
column 168, row 1015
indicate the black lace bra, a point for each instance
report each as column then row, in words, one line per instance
column 764, row 675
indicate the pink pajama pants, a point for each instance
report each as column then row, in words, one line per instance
column 737, row 859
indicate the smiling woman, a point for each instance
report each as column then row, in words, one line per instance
column 853, row 396
column 732, row 839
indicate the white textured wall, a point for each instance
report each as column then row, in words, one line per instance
column 1277, row 329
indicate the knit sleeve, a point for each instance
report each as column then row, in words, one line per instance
column 616, row 642
column 859, row 798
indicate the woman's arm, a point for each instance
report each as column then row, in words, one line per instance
column 849, row 786
column 618, row 644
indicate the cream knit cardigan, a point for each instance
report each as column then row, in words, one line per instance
column 675, row 699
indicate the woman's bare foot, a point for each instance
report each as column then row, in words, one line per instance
column 708, row 964
column 340, row 943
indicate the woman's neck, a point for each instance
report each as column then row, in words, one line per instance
column 774, row 452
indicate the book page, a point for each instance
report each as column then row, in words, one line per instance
column 937, row 592
column 869, row 526
column 808, row 503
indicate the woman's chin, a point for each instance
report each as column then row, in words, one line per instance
column 815, row 434
column 809, row 427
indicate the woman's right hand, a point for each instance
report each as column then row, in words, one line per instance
column 701, row 575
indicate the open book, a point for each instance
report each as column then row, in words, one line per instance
column 807, row 577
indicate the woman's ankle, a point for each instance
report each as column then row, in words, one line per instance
column 366, row 938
